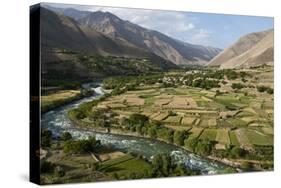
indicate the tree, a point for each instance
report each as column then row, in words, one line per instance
column 138, row 119
column 66, row 136
column 81, row 146
column 162, row 165
column 179, row 137
column 95, row 166
column 46, row 166
column 180, row 170
column 166, row 164
column 246, row 165
column 59, row 171
column 46, row 138
column 191, row 143
column 229, row 170
column 262, row 88
column 237, row 86
column 269, row 91
column 139, row 129
column 204, row 147
column 237, row 152
column 170, row 136
column 152, row 132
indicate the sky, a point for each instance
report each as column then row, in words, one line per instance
column 217, row 30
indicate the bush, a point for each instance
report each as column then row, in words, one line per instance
column 59, row 171
column 179, row 137
column 81, row 146
column 161, row 165
column 261, row 88
column 237, row 86
column 246, row 165
column 269, row 91
column 204, row 147
column 46, row 166
column 237, row 152
column 191, row 143
column 138, row 119
column 46, row 138
column 95, row 166
column 265, row 89
column 152, row 132
column 66, row 136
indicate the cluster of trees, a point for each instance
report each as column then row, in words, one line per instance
column 201, row 147
column 116, row 66
column 46, row 138
column 162, row 166
column 237, row 86
column 229, row 73
column 205, row 79
column 81, row 146
column 261, row 89
column 206, row 147
column 49, row 167
column 240, row 86
column 84, row 109
column 143, row 126
column 205, row 83
column 233, row 152
column 127, row 83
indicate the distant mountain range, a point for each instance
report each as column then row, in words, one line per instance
column 105, row 34
column 59, row 31
column 125, row 33
column 250, row 50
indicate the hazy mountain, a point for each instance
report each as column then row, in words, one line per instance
column 250, row 50
column 71, row 12
column 154, row 41
column 59, row 31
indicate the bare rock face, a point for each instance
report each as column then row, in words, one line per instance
column 60, row 31
column 166, row 47
column 251, row 50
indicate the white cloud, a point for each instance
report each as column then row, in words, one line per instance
column 174, row 24
column 201, row 37
column 178, row 25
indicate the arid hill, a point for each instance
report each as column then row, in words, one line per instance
column 251, row 50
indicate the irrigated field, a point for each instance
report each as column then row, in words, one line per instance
column 224, row 115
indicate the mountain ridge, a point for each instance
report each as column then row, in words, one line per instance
column 171, row 49
column 154, row 41
column 249, row 50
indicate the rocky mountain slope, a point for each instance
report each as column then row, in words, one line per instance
column 59, row 31
column 250, row 50
column 166, row 47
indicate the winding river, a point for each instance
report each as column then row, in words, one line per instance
column 58, row 122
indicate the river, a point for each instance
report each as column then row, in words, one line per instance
column 57, row 121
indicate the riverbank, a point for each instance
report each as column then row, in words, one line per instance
column 58, row 99
column 117, row 132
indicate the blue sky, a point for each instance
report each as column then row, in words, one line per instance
column 217, row 30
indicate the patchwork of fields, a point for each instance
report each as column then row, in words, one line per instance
column 228, row 118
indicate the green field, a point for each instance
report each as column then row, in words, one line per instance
column 259, row 138
column 209, row 134
column 223, row 136
column 233, row 138
column 58, row 98
column 178, row 113
column 124, row 166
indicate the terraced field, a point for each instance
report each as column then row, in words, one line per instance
column 226, row 116
column 209, row 134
